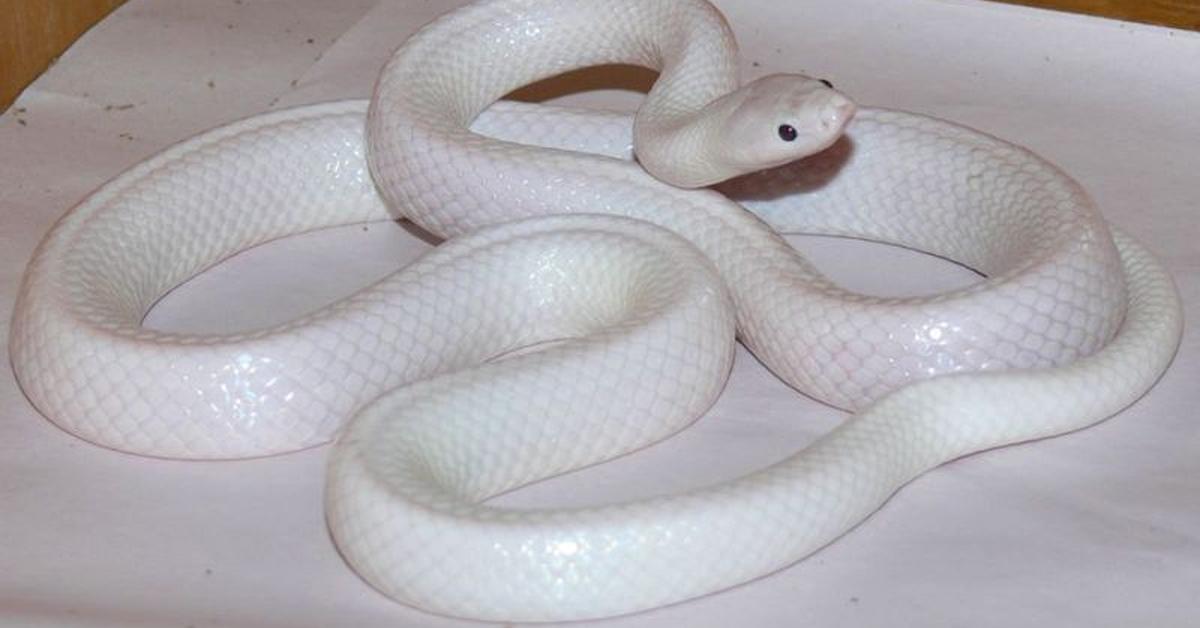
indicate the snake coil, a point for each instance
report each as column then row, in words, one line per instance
column 641, row 288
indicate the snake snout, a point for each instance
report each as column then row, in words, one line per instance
column 836, row 114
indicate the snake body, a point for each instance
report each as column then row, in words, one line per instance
column 531, row 343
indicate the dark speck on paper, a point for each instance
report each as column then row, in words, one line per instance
column 212, row 84
column 310, row 40
column 124, row 107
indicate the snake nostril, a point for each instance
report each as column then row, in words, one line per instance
column 826, row 83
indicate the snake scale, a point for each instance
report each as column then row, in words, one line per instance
column 586, row 304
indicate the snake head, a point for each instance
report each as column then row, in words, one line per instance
column 781, row 118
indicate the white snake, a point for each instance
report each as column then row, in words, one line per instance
column 1068, row 328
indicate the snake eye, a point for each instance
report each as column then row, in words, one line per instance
column 787, row 132
column 826, row 83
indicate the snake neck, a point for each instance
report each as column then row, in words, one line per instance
column 494, row 47
column 687, row 148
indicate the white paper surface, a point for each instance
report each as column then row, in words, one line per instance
column 1097, row 528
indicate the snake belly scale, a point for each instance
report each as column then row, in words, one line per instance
column 585, row 306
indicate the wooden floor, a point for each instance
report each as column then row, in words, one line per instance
column 1175, row 13
column 34, row 32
